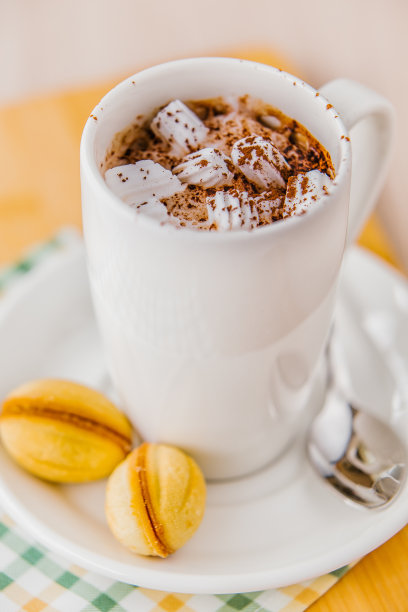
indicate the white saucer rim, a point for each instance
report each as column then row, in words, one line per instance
column 163, row 581
column 176, row 582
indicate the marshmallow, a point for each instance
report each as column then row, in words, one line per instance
column 142, row 181
column 155, row 210
column 217, row 210
column 270, row 121
column 231, row 211
column 305, row 189
column 250, row 217
column 260, row 161
column 266, row 205
column 177, row 125
column 207, row 167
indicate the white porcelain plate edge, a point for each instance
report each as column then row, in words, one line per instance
column 255, row 535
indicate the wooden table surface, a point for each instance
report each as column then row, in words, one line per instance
column 40, row 193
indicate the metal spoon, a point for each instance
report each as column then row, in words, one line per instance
column 355, row 452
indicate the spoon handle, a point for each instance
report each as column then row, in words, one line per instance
column 358, row 360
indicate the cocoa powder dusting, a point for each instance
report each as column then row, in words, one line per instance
column 227, row 123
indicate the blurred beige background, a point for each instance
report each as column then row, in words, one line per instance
column 53, row 45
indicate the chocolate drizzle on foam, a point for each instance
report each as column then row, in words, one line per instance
column 219, row 165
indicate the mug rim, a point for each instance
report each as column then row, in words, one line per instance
column 90, row 167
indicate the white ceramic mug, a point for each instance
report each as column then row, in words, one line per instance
column 214, row 340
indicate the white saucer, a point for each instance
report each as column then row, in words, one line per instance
column 278, row 527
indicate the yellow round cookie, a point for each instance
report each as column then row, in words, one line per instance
column 63, row 431
column 155, row 499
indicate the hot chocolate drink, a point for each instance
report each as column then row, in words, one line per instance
column 219, row 164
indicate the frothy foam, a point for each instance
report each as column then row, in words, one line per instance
column 214, row 165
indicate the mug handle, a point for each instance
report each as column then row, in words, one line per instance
column 370, row 119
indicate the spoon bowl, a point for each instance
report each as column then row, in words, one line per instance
column 356, row 453
column 360, row 455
